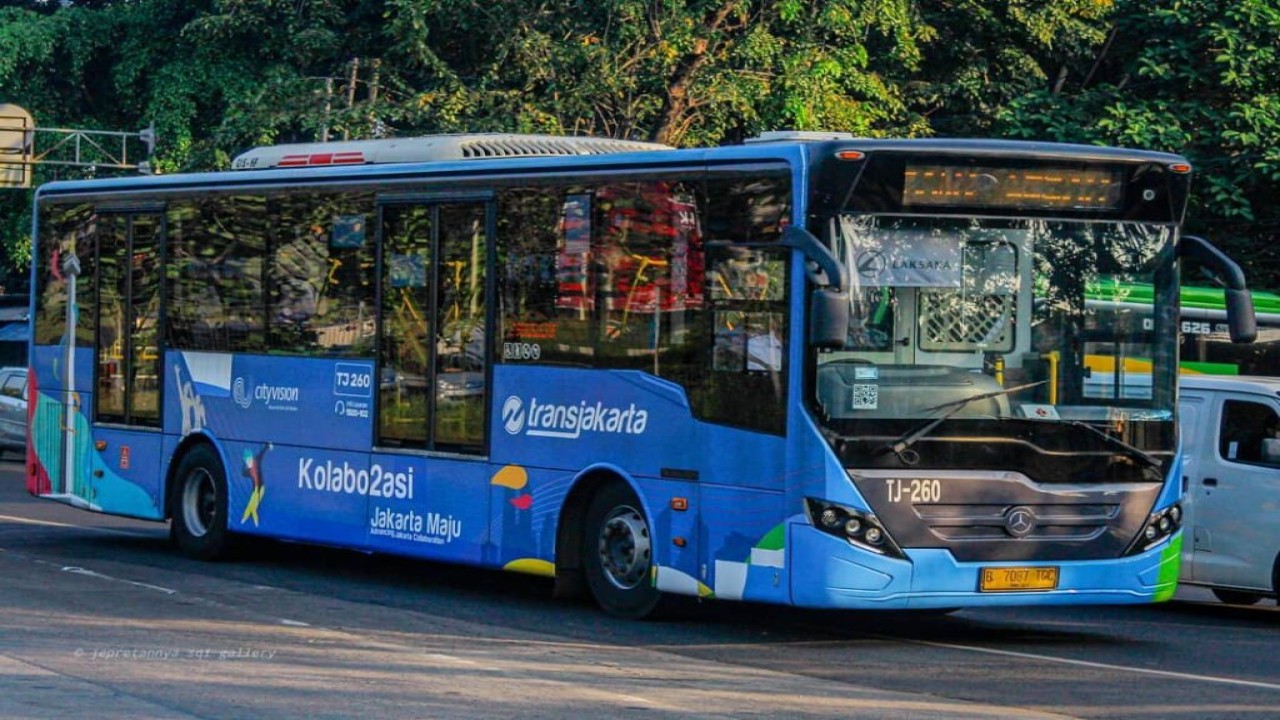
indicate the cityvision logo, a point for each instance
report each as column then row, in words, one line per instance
column 570, row 421
column 275, row 397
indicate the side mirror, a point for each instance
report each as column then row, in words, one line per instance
column 829, row 303
column 828, row 318
column 1242, row 323
column 1241, row 319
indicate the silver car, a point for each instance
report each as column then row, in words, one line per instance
column 13, row 410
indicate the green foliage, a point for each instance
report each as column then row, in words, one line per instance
column 987, row 54
column 1196, row 77
column 219, row 76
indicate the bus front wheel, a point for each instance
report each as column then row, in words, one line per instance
column 200, row 513
column 618, row 553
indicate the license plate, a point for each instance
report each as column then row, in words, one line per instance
column 1017, row 579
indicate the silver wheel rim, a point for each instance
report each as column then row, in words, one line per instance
column 199, row 502
column 625, row 550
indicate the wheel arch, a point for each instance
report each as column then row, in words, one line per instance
column 186, row 445
column 569, row 580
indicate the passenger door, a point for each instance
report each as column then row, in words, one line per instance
column 433, row 361
column 127, row 386
column 1235, row 490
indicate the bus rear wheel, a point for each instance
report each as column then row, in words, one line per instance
column 618, row 554
column 1236, row 597
column 200, row 512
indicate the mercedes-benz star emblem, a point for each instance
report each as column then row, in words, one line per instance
column 1019, row 521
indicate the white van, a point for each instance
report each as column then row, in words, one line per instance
column 1231, row 456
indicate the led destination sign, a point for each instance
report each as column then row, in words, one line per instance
column 1013, row 188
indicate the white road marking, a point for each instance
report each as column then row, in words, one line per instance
column 1094, row 665
column 90, row 573
column 50, row 523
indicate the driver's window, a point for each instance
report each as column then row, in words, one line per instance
column 746, row 273
column 747, row 292
column 1250, row 433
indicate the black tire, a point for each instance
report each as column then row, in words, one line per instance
column 617, row 552
column 200, row 505
column 1236, row 597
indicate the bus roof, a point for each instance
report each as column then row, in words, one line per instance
column 475, row 154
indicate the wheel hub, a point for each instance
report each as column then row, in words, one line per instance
column 199, row 502
column 625, row 549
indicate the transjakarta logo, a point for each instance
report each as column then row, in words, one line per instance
column 276, row 397
column 374, row 482
column 570, row 421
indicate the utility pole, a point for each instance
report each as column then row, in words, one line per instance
column 351, row 91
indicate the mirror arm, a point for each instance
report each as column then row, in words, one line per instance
column 837, row 275
column 1241, row 319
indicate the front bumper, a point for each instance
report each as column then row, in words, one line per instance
column 827, row 572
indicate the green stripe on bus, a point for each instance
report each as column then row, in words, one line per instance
column 1210, row 368
column 1170, row 560
column 1205, row 298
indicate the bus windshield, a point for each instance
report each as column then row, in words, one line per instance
column 993, row 313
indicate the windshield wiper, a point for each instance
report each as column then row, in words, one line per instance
column 911, row 436
column 1133, row 451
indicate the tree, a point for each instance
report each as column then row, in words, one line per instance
column 1190, row 76
column 986, row 54
column 692, row 72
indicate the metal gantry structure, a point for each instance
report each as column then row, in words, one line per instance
column 23, row 145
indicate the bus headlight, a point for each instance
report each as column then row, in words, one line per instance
column 858, row 527
column 1159, row 526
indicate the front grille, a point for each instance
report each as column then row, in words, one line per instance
column 990, row 521
column 985, row 517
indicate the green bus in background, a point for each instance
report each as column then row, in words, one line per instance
column 1205, row 347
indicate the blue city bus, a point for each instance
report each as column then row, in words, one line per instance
column 810, row 369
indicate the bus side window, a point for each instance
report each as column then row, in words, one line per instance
column 746, row 303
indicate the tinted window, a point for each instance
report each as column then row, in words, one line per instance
column 113, row 291
column 747, row 306
column 406, row 312
column 217, row 250
column 460, row 327
column 649, row 275
column 320, row 274
column 128, row 357
column 679, row 277
column 545, row 277
column 67, row 237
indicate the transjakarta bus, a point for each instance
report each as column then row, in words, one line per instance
column 810, row 370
